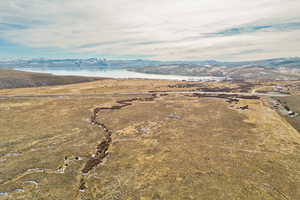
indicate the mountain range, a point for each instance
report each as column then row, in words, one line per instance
column 278, row 68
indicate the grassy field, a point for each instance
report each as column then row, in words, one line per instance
column 114, row 86
column 173, row 147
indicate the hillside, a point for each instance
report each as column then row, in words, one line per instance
column 270, row 69
column 19, row 79
column 251, row 72
column 97, row 63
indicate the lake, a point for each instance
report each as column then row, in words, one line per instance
column 120, row 74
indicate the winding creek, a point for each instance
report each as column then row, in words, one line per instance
column 103, row 147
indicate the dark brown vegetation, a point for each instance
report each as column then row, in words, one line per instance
column 102, row 148
column 186, row 85
column 229, row 97
column 241, row 86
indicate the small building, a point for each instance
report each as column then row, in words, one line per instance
column 244, row 107
column 291, row 113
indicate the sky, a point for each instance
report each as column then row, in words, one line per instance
column 231, row 30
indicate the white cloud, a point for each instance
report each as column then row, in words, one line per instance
column 166, row 29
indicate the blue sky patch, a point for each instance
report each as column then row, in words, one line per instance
column 252, row 29
column 8, row 26
column 7, row 49
column 91, row 45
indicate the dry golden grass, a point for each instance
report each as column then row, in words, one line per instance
column 207, row 151
column 110, row 86
column 174, row 147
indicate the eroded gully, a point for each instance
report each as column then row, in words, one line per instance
column 104, row 145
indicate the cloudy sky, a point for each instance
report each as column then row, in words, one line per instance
column 150, row 29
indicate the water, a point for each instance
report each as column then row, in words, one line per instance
column 120, row 74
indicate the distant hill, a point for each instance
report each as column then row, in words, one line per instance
column 19, row 79
column 277, row 69
column 236, row 72
column 98, row 63
column 271, row 69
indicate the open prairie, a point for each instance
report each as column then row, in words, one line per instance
column 145, row 146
